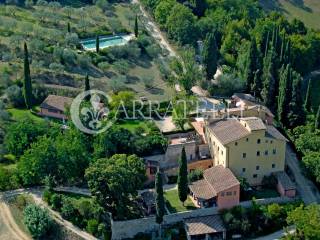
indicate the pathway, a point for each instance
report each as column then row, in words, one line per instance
column 277, row 235
column 36, row 193
column 155, row 31
column 8, row 220
column 307, row 190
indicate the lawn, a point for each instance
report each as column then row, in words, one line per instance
column 19, row 114
column 173, row 203
column 307, row 11
column 133, row 125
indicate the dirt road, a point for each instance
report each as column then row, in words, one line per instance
column 9, row 221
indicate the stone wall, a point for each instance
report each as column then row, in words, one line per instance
column 130, row 228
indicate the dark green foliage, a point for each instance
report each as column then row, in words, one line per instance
column 37, row 221
column 160, row 204
column 195, row 175
column 306, row 220
column 210, row 55
column 27, row 85
column 297, row 115
column 285, row 91
column 107, row 178
column 183, row 188
column 136, row 27
column 97, row 44
column 269, row 79
column 317, row 120
column 22, row 134
column 87, row 86
column 199, row 7
column 312, row 163
column 308, row 100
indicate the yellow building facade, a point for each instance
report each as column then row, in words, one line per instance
column 248, row 147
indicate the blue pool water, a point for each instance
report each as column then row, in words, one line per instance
column 104, row 42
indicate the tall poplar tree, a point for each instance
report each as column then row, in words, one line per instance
column 297, row 115
column 27, row 85
column 183, row 177
column 160, row 204
column 136, row 27
column 268, row 80
column 87, row 86
column 307, row 103
column 317, row 120
column 97, row 44
column 210, row 55
column 285, row 92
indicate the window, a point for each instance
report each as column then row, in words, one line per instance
column 273, row 165
column 259, row 141
column 243, row 169
column 218, row 148
column 267, row 141
column 274, row 151
column 222, row 194
column 229, row 194
column 236, row 143
column 266, row 152
column 258, row 153
column 235, row 193
column 247, row 139
column 271, row 141
column 244, row 155
column 245, row 125
column 257, row 167
column 255, row 175
column 221, row 152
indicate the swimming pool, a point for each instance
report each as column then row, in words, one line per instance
column 105, row 42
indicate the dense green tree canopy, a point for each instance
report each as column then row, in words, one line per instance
column 114, row 181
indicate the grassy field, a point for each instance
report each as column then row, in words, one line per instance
column 307, row 11
column 173, row 203
column 19, row 114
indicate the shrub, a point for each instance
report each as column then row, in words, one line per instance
column 67, row 210
column 56, row 201
column 37, row 220
column 195, row 175
column 21, row 201
column 47, row 195
column 92, row 226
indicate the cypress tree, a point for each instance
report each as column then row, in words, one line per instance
column 87, row 86
column 97, row 44
column 27, row 85
column 256, row 86
column 69, row 27
column 317, row 121
column 268, row 80
column 210, row 55
column 160, row 206
column 136, row 27
column 285, row 91
column 307, row 103
column 183, row 177
column 297, row 115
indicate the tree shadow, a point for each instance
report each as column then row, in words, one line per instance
column 300, row 4
column 132, row 79
column 156, row 91
column 275, row 5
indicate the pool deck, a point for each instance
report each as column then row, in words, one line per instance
column 127, row 38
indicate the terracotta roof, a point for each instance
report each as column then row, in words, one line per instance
column 220, row 178
column 254, row 123
column 204, row 225
column 55, row 102
column 228, row 130
column 202, row 189
column 198, row 126
column 274, row 133
column 285, row 181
